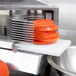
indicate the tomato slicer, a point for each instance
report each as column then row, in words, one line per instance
column 18, row 53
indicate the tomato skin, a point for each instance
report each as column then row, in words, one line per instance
column 3, row 69
column 45, row 35
column 47, row 41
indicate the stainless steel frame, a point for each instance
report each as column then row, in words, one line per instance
column 28, row 5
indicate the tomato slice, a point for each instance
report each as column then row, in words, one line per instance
column 45, row 35
column 47, row 28
column 43, row 22
column 48, row 41
column 3, row 69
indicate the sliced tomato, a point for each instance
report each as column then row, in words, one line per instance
column 48, row 41
column 47, row 28
column 45, row 35
column 43, row 22
column 45, row 31
column 3, row 69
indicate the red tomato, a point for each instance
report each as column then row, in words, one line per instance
column 45, row 35
column 3, row 69
column 47, row 41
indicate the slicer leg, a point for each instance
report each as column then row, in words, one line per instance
column 47, row 70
